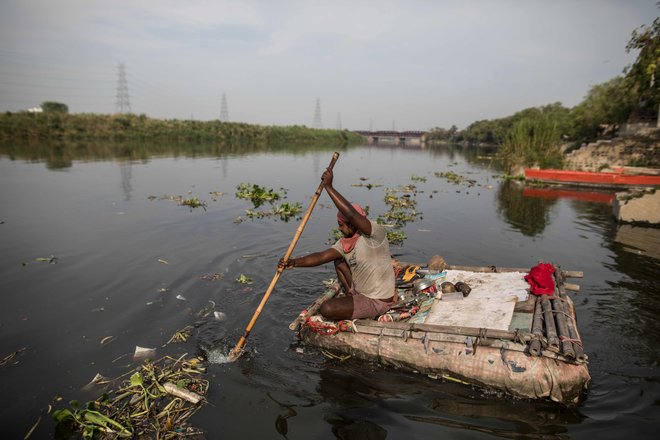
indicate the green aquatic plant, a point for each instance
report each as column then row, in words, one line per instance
column 155, row 402
column 399, row 217
column 416, row 178
column 406, row 201
column 451, row 176
column 193, row 202
column 285, row 211
column 258, row 194
column 335, row 234
column 366, row 185
column 243, row 279
column 396, row 237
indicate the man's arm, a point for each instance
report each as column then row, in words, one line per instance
column 311, row 260
column 360, row 222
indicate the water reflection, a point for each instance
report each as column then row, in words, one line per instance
column 346, row 428
column 529, row 215
column 367, row 397
column 61, row 155
column 626, row 305
column 126, row 170
column 639, row 240
column 472, row 154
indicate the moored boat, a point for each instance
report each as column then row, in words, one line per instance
column 498, row 336
column 617, row 178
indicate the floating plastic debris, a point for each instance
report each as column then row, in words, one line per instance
column 107, row 340
column 143, row 352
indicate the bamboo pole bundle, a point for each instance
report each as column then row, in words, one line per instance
column 562, row 326
column 568, row 311
column 537, row 329
column 574, row 335
column 560, row 316
column 549, row 321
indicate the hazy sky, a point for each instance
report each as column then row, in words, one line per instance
column 413, row 64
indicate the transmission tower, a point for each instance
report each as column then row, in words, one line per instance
column 317, row 115
column 224, row 111
column 338, row 121
column 123, row 101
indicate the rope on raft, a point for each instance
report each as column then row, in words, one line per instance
column 575, row 341
column 324, row 329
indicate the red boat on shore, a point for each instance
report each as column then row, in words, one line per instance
column 618, row 178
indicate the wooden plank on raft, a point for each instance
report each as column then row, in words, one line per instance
column 487, row 333
column 495, row 269
column 312, row 309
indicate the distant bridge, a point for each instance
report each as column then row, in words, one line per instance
column 391, row 137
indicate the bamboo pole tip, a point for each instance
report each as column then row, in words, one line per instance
column 234, row 354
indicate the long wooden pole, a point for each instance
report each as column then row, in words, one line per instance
column 236, row 352
column 535, row 346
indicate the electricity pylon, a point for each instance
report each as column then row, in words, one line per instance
column 224, row 111
column 317, row 115
column 123, row 101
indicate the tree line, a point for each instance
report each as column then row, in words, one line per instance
column 54, row 123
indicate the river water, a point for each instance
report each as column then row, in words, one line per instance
column 92, row 246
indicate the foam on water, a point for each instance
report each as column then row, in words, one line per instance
column 218, row 356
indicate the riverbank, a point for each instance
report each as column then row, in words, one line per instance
column 637, row 150
column 40, row 127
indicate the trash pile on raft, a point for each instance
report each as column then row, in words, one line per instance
column 153, row 401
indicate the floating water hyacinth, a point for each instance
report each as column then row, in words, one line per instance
column 258, row 194
column 243, row 279
column 155, row 402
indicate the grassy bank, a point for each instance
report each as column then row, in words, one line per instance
column 531, row 142
column 38, row 127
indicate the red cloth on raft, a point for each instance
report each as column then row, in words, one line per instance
column 541, row 280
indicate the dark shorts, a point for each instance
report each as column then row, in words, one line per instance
column 365, row 307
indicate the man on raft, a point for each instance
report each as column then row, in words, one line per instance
column 362, row 261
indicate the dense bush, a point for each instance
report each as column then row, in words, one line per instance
column 50, row 126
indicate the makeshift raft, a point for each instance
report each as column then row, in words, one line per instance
column 499, row 336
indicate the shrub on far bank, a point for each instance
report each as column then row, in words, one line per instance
column 531, row 142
